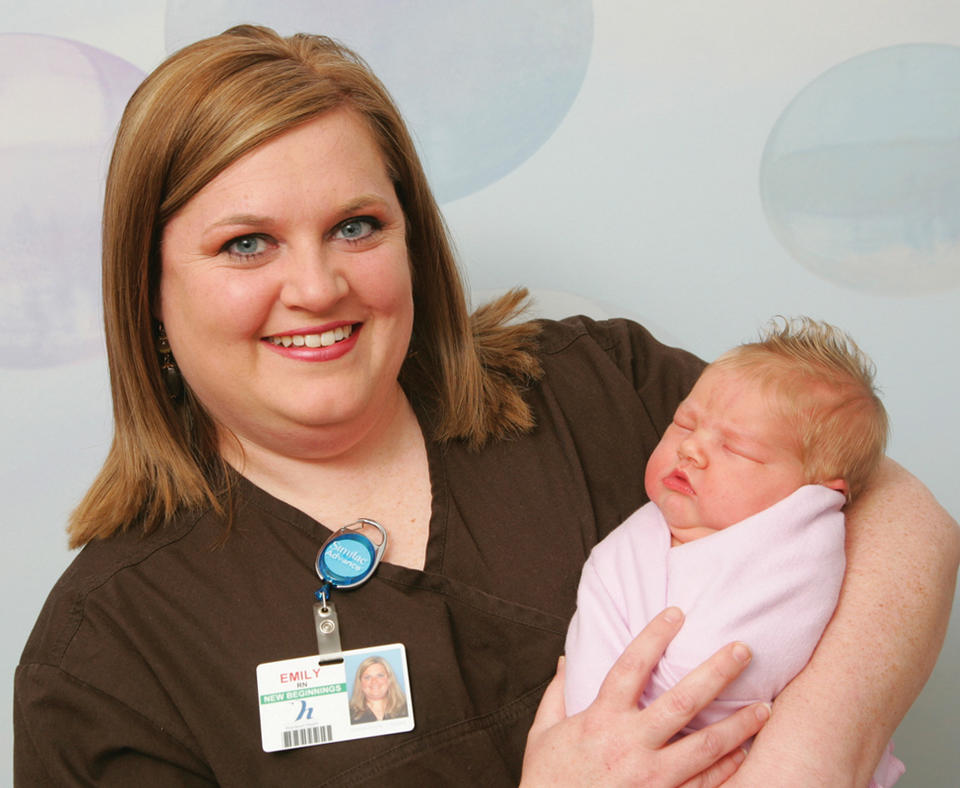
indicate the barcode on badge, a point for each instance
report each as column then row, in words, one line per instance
column 304, row 737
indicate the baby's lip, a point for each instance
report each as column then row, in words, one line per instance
column 679, row 482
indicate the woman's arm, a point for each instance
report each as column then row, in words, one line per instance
column 834, row 719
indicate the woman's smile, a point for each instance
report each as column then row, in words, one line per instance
column 313, row 345
column 306, row 339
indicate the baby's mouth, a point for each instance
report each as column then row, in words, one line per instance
column 324, row 339
column 678, row 481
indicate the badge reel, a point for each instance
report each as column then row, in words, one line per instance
column 346, row 560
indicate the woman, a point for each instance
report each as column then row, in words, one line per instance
column 376, row 693
column 290, row 349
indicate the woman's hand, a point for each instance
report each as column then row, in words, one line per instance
column 614, row 742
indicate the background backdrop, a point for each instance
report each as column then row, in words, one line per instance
column 698, row 166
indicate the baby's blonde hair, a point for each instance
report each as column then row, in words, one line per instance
column 823, row 385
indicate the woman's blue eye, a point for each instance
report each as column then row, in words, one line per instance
column 357, row 229
column 247, row 245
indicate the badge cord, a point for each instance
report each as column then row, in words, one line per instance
column 346, row 560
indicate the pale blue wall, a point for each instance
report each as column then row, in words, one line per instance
column 698, row 166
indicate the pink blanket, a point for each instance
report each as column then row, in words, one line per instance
column 771, row 581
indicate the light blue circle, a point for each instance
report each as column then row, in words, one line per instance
column 347, row 560
column 482, row 83
column 860, row 177
column 62, row 101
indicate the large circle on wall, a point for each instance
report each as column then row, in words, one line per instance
column 61, row 103
column 860, row 177
column 482, row 83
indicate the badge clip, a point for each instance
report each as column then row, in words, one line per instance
column 328, row 628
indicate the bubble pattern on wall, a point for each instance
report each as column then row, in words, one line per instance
column 61, row 103
column 860, row 177
column 482, row 88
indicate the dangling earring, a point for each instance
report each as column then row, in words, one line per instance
column 172, row 379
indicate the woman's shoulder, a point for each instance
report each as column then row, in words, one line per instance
column 87, row 665
column 617, row 334
column 627, row 346
column 133, row 579
column 94, row 570
column 559, row 335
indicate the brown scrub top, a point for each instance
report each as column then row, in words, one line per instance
column 141, row 668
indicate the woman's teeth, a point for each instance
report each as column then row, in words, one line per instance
column 325, row 339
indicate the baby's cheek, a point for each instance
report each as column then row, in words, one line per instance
column 656, row 469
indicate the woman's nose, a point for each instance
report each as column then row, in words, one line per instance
column 313, row 280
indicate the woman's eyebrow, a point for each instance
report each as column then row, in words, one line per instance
column 361, row 202
column 249, row 219
column 257, row 220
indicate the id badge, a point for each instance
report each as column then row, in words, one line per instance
column 309, row 700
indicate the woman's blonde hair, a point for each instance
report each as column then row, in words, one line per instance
column 197, row 113
column 823, row 386
column 395, row 704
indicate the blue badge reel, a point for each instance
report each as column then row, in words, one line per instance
column 349, row 557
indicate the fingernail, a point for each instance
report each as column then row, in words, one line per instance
column 739, row 756
column 763, row 711
column 741, row 653
column 672, row 615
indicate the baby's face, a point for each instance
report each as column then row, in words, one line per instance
column 726, row 455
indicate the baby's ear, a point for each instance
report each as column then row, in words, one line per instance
column 840, row 485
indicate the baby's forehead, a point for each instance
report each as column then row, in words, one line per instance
column 718, row 384
column 743, row 402
column 777, row 381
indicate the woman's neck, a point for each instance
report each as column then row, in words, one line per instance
column 382, row 474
